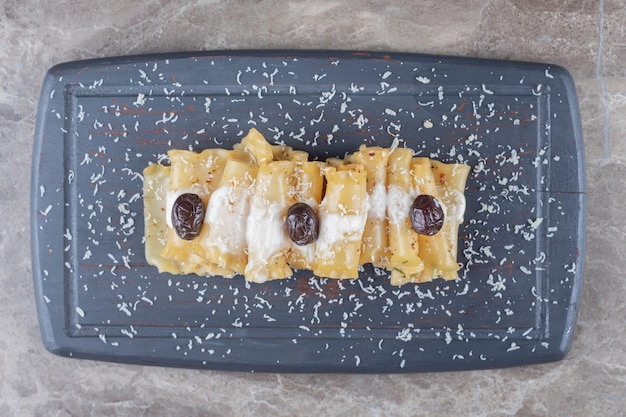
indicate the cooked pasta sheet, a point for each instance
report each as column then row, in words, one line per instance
column 405, row 259
column 374, row 242
column 196, row 173
column 223, row 237
column 342, row 216
column 450, row 182
column 156, row 185
column 309, row 188
column 352, row 211
column 268, row 243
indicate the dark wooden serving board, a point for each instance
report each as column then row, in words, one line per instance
column 101, row 122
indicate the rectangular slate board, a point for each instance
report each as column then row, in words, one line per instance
column 101, row 122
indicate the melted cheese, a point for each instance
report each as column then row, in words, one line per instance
column 226, row 215
column 377, row 202
column 265, row 236
column 398, row 204
column 453, row 203
column 337, row 227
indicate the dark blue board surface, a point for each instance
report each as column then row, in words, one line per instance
column 101, row 122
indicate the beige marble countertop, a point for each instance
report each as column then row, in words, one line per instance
column 587, row 37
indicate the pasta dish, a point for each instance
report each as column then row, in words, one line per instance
column 262, row 210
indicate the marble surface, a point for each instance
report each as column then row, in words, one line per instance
column 587, row 37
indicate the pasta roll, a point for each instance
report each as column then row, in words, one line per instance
column 309, row 186
column 335, row 162
column 403, row 241
column 199, row 266
column 450, row 175
column 450, row 180
column 156, row 183
column 342, row 214
column 223, row 236
column 197, row 173
column 287, row 153
column 434, row 250
column 374, row 244
column 267, row 239
column 255, row 144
